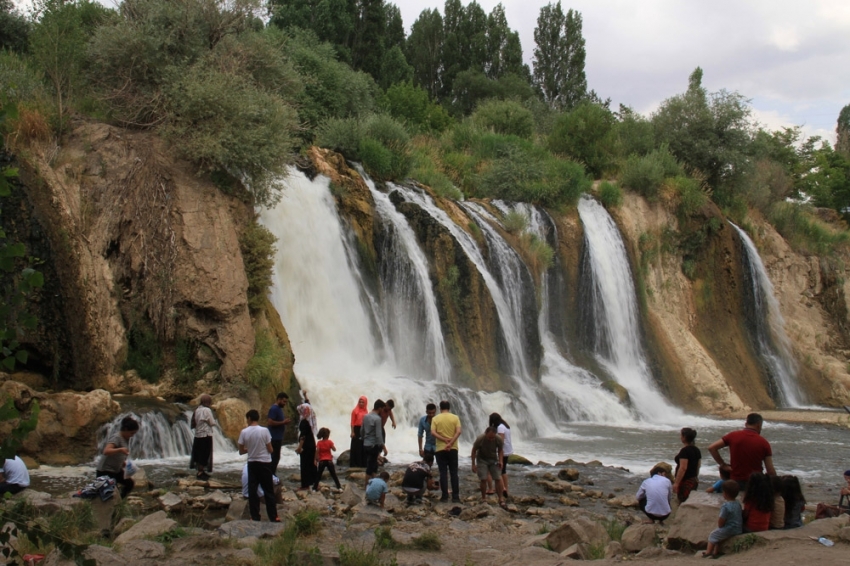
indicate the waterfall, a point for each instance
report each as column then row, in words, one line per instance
column 158, row 438
column 409, row 305
column 772, row 343
column 318, row 293
column 616, row 339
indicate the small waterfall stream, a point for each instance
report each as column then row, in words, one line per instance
column 617, row 339
column 772, row 343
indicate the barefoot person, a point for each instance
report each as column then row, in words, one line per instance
column 487, row 458
column 688, row 462
column 114, row 456
column 203, row 423
column 256, row 442
column 747, row 450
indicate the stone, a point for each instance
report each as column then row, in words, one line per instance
column 143, row 550
column 344, row 458
column 123, row 525
column 217, row 500
column 477, row 512
column 238, row 510
column 536, row 540
column 351, row 495
column 103, row 512
column 141, row 478
column 576, row 551
column 693, row 521
column 568, row 501
column 104, row 556
column 568, row 474
column 519, row 460
column 369, row 515
column 555, row 486
column 613, row 549
column 32, row 496
column 153, row 525
column 231, row 416
column 637, row 537
column 171, row 501
column 256, row 529
column 578, row 530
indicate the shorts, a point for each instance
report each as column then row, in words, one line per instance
column 721, row 534
column 488, row 467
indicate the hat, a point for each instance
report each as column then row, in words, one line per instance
column 847, row 473
column 664, row 466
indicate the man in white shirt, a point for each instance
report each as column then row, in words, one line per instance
column 655, row 493
column 14, row 477
column 256, row 441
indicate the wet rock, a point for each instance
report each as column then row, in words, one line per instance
column 637, row 537
column 153, row 525
column 578, row 530
column 555, row 486
column 344, row 458
column 519, row 460
column 351, row 495
column 569, row 474
column 534, row 500
column 255, row 529
column 237, row 510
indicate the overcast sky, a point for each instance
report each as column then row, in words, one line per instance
column 792, row 58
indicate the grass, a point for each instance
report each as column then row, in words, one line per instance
column 804, row 232
column 358, row 557
column 610, row 195
column 429, row 541
column 515, row 222
column 544, row 529
column 286, row 549
column 170, row 536
column 384, row 539
column 614, row 528
column 307, row 522
column 745, row 542
column 596, row 551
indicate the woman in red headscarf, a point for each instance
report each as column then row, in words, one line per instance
column 360, row 411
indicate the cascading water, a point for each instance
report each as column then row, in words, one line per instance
column 318, row 294
column 773, row 345
column 617, row 343
column 158, row 438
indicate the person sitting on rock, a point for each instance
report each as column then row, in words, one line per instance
column 377, row 489
column 717, row 487
column 758, row 503
column 846, row 489
column 114, row 457
column 260, row 492
column 730, row 522
column 417, row 477
column 655, row 493
column 14, row 477
column 795, row 502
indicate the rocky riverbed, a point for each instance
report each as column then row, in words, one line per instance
column 556, row 514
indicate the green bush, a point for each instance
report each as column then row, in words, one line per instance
column 504, row 117
column 384, row 539
column 646, row 174
column 257, row 245
column 586, row 134
column 357, row 557
column 427, row 541
column 427, row 172
column 385, row 148
column 19, row 81
column 610, row 195
column 411, row 105
column 307, row 522
column 566, row 181
column 144, row 352
column 342, row 135
column 692, row 196
column 264, row 369
column 805, row 232
column 515, row 222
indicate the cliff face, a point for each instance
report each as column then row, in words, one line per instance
column 138, row 241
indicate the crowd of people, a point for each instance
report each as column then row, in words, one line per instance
column 768, row 501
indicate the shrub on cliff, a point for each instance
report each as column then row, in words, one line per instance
column 258, row 250
column 587, row 135
column 380, row 142
column 646, row 174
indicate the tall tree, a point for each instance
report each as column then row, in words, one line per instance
column 14, row 28
column 842, row 129
column 504, row 50
column 395, row 28
column 559, row 57
column 367, row 51
column 424, row 51
column 332, row 21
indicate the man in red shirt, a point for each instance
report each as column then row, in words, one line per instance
column 747, row 451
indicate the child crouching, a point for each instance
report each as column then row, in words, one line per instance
column 730, row 522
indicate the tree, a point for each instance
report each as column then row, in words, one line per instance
column 367, row 49
column 842, row 130
column 394, row 68
column 710, row 133
column 395, row 35
column 559, row 57
column 14, row 28
column 587, row 135
column 424, row 51
column 332, row 21
column 504, row 50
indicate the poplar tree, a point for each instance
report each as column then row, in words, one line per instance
column 559, row 57
column 425, row 49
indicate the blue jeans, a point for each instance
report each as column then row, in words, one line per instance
column 447, row 463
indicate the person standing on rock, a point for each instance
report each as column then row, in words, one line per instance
column 424, row 432
column 373, row 439
column 256, row 442
column 688, row 462
column 503, row 429
column 306, row 447
column 203, row 423
column 14, row 477
column 276, row 422
column 356, row 457
column 446, row 429
column 487, row 459
column 114, row 456
column 747, row 450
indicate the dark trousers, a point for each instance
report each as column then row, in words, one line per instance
column 642, row 505
column 308, row 467
column 276, row 444
column 356, row 454
column 329, row 465
column 260, row 473
column 127, row 484
column 372, row 453
column 447, row 463
column 13, row 488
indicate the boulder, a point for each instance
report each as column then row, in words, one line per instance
column 145, row 551
column 104, row 556
column 344, row 458
column 693, row 521
column 576, row 551
column 613, row 549
column 569, row 502
column 351, row 495
column 231, row 416
column 216, row 500
column 103, row 512
column 477, row 512
column 255, row 529
column 555, row 486
column 568, row 474
column 637, row 537
column 370, row 515
column 519, row 460
column 578, row 530
column 153, row 525
column 171, row 501
column 238, row 510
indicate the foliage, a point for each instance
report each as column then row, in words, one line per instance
column 610, row 195
column 285, row 550
column 596, row 551
column 646, row 174
column 692, row 194
column 342, row 135
column 357, row 557
column 745, row 542
column 144, row 351
column 257, row 245
column 515, row 222
column 8, row 412
column 614, row 528
column 264, row 369
column 842, row 132
column 804, row 231
column 170, row 536
column 19, row 82
column 307, row 522
column 60, row 530
column 586, row 134
column 559, row 57
column 426, row 170
column 14, row 28
column 504, row 117
column 634, row 133
column 384, row 539
column 379, row 141
column 394, row 68
column 424, row 51
column 538, row 255
column 428, row 540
